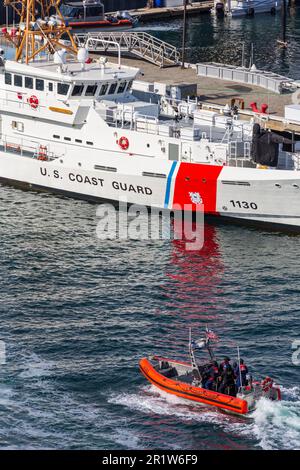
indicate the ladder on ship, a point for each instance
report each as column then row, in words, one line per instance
column 138, row 44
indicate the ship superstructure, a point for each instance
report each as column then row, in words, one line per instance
column 72, row 125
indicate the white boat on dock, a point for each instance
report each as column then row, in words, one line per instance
column 238, row 8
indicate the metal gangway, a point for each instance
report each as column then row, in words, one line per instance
column 138, row 44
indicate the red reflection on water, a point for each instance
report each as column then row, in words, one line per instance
column 195, row 277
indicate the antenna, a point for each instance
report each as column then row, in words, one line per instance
column 41, row 27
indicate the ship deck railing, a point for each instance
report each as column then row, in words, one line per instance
column 25, row 148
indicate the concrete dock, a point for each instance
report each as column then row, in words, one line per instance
column 214, row 93
column 211, row 90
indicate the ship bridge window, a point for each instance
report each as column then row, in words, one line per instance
column 77, row 90
column 50, row 86
column 90, row 90
column 29, row 82
column 129, row 86
column 62, row 88
column 103, row 89
column 122, row 87
column 18, row 80
column 39, row 84
column 7, row 78
column 112, row 89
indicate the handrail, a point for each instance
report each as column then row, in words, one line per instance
column 137, row 43
column 105, row 41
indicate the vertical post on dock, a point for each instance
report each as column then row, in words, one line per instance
column 243, row 54
column 283, row 21
column 183, row 34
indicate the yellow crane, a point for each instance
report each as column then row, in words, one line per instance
column 41, row 28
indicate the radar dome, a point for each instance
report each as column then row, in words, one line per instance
column 82, row 55
column 60, row 57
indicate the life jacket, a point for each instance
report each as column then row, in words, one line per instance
column 214, row 371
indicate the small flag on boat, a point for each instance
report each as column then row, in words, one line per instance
column 199, row 344
column 211, row 335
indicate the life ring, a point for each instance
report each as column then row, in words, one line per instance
column 123, row 143
column 33, row 101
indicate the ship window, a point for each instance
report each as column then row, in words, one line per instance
column 39, row 84
column 112, row 89
column 62, row 88
column 90, row 90
column 105, row 168
column 67, row 138
column 77, row 90
column 78, row 141
column 103, row 89
column 90, row 143
column 18, row 80
column 29, row 82
column 129, row 85
column 50, row 86
column 8, row 78
column 56, row 136
column 18, row 126
column 122, row 87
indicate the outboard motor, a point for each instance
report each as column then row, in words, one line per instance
column 125, row 15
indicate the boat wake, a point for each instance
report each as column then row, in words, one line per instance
column 277, row 424
column 273, row 425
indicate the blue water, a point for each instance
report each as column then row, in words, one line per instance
column 221, row 40
column 78, row 313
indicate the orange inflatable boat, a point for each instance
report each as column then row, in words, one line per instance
column 186, row 380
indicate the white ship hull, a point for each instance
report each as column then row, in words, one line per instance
column 265, row 197
column 238, row 8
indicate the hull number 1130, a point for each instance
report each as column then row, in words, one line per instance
column 244, row 205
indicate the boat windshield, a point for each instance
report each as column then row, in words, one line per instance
column 70, row 11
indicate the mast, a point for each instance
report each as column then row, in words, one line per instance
column 41, row 28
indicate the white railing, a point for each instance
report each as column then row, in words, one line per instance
column 26, row 148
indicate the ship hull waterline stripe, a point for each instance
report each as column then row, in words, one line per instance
column 211, row 400
column 169, row 182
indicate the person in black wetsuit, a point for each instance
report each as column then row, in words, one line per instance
column 227, row 383
column 211, row 381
